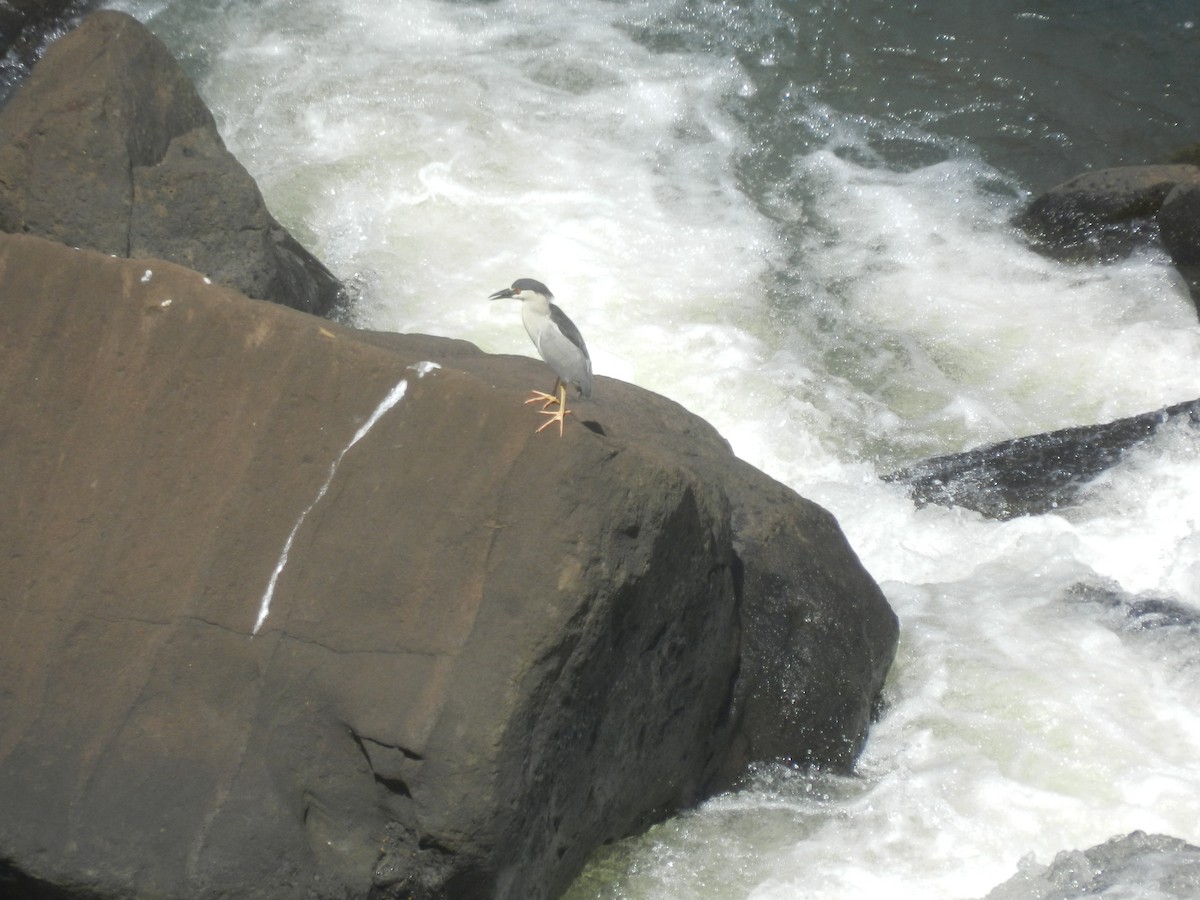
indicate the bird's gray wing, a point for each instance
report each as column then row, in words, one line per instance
column 562, row 346
column 567, row 327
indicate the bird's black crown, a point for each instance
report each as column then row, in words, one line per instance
column 531, row 284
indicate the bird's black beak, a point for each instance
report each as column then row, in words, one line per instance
column 507, row 292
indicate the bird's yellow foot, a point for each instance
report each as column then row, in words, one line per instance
column 558, row 417
column 546, row 399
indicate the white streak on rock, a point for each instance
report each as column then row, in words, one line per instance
column 394, row 396
column 424, row 367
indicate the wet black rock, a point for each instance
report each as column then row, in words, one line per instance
column 1105, row 213
column 1179, row 223
column 1108, row 213
column 1038, row 473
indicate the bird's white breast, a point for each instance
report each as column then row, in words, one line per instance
column 535, row 315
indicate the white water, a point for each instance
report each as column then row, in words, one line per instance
column 834, row 318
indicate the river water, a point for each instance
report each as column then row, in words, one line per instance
column 794, row 219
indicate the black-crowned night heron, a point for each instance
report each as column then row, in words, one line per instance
column 559, row 343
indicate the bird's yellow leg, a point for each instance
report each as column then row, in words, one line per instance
column 559, row 416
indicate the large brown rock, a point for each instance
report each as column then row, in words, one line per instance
column 483, row 652
column 108, row 146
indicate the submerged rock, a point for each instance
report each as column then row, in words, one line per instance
column 108, row 146
column 1034, row 474
column 1137, row 613
column 1160, row 625
column 1146, row 866
column 295, row 610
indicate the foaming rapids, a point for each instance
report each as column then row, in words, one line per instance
column 433, row 151
column 840, row 292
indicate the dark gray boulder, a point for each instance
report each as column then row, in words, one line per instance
column 1179, row 223
column 1102, row 214
column 292, row 612
column 108, row 146
column 1105, row 214
column 808, row 686
column 1179, row 226
column 1134, row 865
column 1037, row 473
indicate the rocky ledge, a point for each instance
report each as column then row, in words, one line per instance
column 298, row 610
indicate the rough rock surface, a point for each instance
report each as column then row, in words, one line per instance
column 1134, row 865
column 108, row 146
column 484, row 651
column 1038, row 473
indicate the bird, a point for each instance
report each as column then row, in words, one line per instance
column 558, row 342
